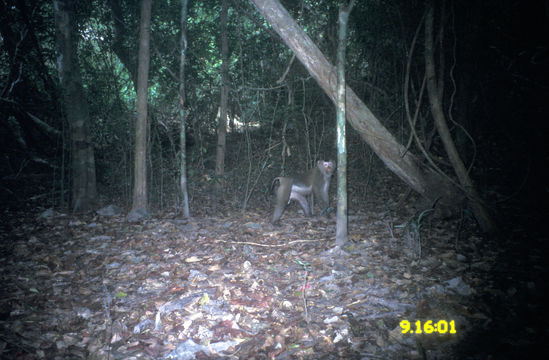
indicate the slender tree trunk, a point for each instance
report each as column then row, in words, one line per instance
column 140, row 162
column 393, row 154
column 183, row 114
column 222, row 124
column 341, row 217
column 83, row 161
column 434, row 91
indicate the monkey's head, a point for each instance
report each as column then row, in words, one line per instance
column 326, row 167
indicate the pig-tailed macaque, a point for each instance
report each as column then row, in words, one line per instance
column 316, row 180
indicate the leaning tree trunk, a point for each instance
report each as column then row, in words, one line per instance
column 76, row 107
column 391, row 152
column 434, row 91
column 140, row 163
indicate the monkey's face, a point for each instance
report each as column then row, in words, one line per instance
column 327, row 167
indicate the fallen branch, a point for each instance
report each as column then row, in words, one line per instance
column 265, row 245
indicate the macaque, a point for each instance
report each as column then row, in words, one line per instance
column 316, row 180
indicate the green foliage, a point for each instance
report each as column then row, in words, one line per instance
column 295, row 107
column 120, row 295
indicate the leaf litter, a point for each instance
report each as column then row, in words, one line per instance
column 100, row 287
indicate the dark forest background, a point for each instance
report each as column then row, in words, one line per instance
column 495, row 77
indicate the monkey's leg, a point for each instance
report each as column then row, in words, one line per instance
column 282, row 198
column 302, row 201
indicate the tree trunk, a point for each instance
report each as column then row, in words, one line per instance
column 434, row 92
column 140, row 163
column 222, row 124
column 83, row 161
column 393, row 154
column 183, row 114
column 341, row 217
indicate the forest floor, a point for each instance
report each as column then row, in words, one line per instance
column 99, row 287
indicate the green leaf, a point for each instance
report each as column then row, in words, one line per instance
column 205, row 299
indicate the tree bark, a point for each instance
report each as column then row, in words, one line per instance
column 434, row 92
column 405, row 165
column 83, row 194
column 222, row 124
column 140, row 163
column 341, row 217
column 183, row 114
